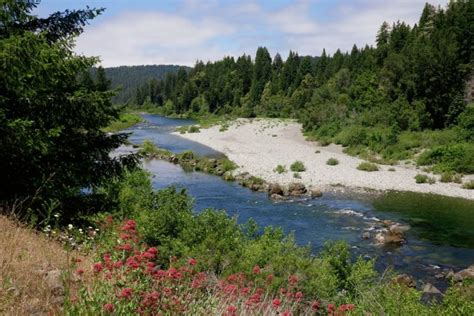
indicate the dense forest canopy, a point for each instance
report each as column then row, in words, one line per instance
column 127, row 78
column 414, row 78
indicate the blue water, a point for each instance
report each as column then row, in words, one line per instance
column 315, row 221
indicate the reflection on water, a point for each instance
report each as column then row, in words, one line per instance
column 442, row 231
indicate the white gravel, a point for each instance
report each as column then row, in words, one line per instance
column 257, row 146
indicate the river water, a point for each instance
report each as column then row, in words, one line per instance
column 442, row 229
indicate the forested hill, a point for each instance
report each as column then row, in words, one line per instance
column 412, row 80
column 131, row 77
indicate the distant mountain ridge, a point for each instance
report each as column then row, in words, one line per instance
column 131, row 77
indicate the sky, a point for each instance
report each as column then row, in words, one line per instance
column 141, row 32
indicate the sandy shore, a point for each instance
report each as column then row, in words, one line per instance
column 258, row 146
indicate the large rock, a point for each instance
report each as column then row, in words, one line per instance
column 398, row 229
column 430, row 293
column 278, row 197
column 296, row 188
column 464, row 274
column 404, row 279
column 275, row 188
column 389, row 238
column 315, row 192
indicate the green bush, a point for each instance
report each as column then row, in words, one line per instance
column 469, row 185
column 280, row 169
column 193, row 129
column 391, row 169
column 456, row 157
column 297, row 166
column 450, row 176
column 296, row 175
column 332, row 162
column 423, row 178
column 367, row 166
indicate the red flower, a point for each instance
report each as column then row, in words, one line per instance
column 109, row 308
column 276, row 303
column 298, row 296
column 270, row 278
column 192, row 262
column 130, row 226
column 125, row 236
column 80, row 271
column 331, row 308
column 97, row 267
column 315, row 305
column 346, row 307
column 126, row 293
column 118, row 264
column 286, row 313
column 125, row 247
column 231, row 309
column 256, row 270
column 293, row 279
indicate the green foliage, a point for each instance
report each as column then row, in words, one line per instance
column 296, row 175
column 124, row 121
column 450, row 176
column 280, row 169
column 51, row 122
column 297, row 166
column 423, row 178
column 332, row 162
column 455, row 157
column 367, row 166
column 469, row 185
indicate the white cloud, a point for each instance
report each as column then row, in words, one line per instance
column 209, row 30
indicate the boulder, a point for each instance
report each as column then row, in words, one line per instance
column 366, row 235
column 315, row 192
column 389, row 238
column 278, row 197
column 296, row 188
column 275, row 188
column 174, row 159
column 404, row 279
column 431, row 293
column 398, row 229
column 465, row 274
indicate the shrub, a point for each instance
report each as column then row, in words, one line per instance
column 469, row 185
column 193, row 129
column 332, row 162
column 450, row 176
column 296, row 175
column 317, row 151
column 280, row 169
column 367, row 166
column 457, row 157
column 423, row 178
column 297, row 166
column 391, row 169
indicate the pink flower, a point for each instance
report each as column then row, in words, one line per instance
column 80, row 271
column 286, row 313
column 126, row 293
column 270, row 278
column 109, row 308
column 129, row 225
column 256, row 270
column 331, row 308
column 298, row 296
column 276, row 303
column 231, row 309
column 192, row 262
column 97, row 267
column 125, row 247
column 293, row 279
column 315, row 305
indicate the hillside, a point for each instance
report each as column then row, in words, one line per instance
column 131, row 77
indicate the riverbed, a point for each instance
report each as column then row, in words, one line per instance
column 442, row 228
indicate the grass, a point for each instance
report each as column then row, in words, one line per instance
column 125, row 121
column 423, row 178
column 280, row 169
column 469, row 185
column 332, row 162
column 367, row 166
column 297, row 166
column 450, row 177
column 296, row 175
column 23, row 253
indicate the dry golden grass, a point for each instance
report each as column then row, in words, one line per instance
column 24, row 256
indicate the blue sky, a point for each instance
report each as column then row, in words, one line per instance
column 137, row 32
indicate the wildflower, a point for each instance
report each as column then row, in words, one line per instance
column 70, row 227
column 129, row 225
column 256, row 270
column 276, row 303
column 125, row 236
column 270, row 278
column 293, row 279
column 80, row 271
column 109, row 308
column 286, row 313
column 97, row 267
column 315, row 305
column 298, row 296
column 125, row 247
column 118, row 264
column 346, row 307
column 152, row 250
column 331, row 308
column 126, row 293
column 56, row 215
column 192, row 262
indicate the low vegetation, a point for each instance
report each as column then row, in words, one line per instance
column 367, row 166
column 124, row 121
column 297, row 166
column 423, row 178
column 450, row 176
column 469, row 185
column 280, row 169
column 332, row 162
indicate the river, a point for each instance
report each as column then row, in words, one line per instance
column 442, row 228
